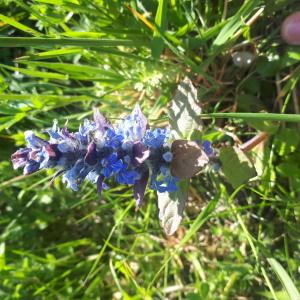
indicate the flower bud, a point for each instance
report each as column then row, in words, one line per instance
column 290, row 29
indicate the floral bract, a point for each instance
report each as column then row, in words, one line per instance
column 130, row 152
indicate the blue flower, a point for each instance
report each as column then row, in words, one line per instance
column 168, row 156
column 31, row 167
column 156, row 138
column 128, row 153
column 134, row 126
column 34, row 141
column 76, row 175
column 112, row 165
column 84, row 131
column 126, row 176
column 94, row 177
column 34, row 157
column 54, row 132
column 162, row 181
column 207, row 148
column 48, row 156
column 112, row 139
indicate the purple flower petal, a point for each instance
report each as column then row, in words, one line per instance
column 91, row 155
column 140, row 119
column 101, row 122
column 140, row 153
column 66, row 134
column 20, row 158
column 52, row 150
column 100, row 184
column 34, row 155
column 139, row 188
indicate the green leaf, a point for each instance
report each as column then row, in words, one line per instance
column 158, row 44
column 285, row 169
column 285, row 279
column 294, row 53
column 171, row 206
column 184, row 119
column 184, row 111
column 237, row 167
column 265, row 126
column 287, row 141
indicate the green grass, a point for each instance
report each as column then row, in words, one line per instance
column 59, row 59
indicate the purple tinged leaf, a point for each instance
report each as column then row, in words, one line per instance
column 140, row 187
column 91, row 155
column 140, row 153
column 100, row 120
column 189, row 158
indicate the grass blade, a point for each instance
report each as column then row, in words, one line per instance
column 285, row 279
column 161, row 22
column 38, row 42
column 235, row 23
column 18, row 25
column 254, row 116
column 78, row 70
column 33, row 73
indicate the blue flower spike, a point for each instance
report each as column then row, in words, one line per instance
column 130, row 153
